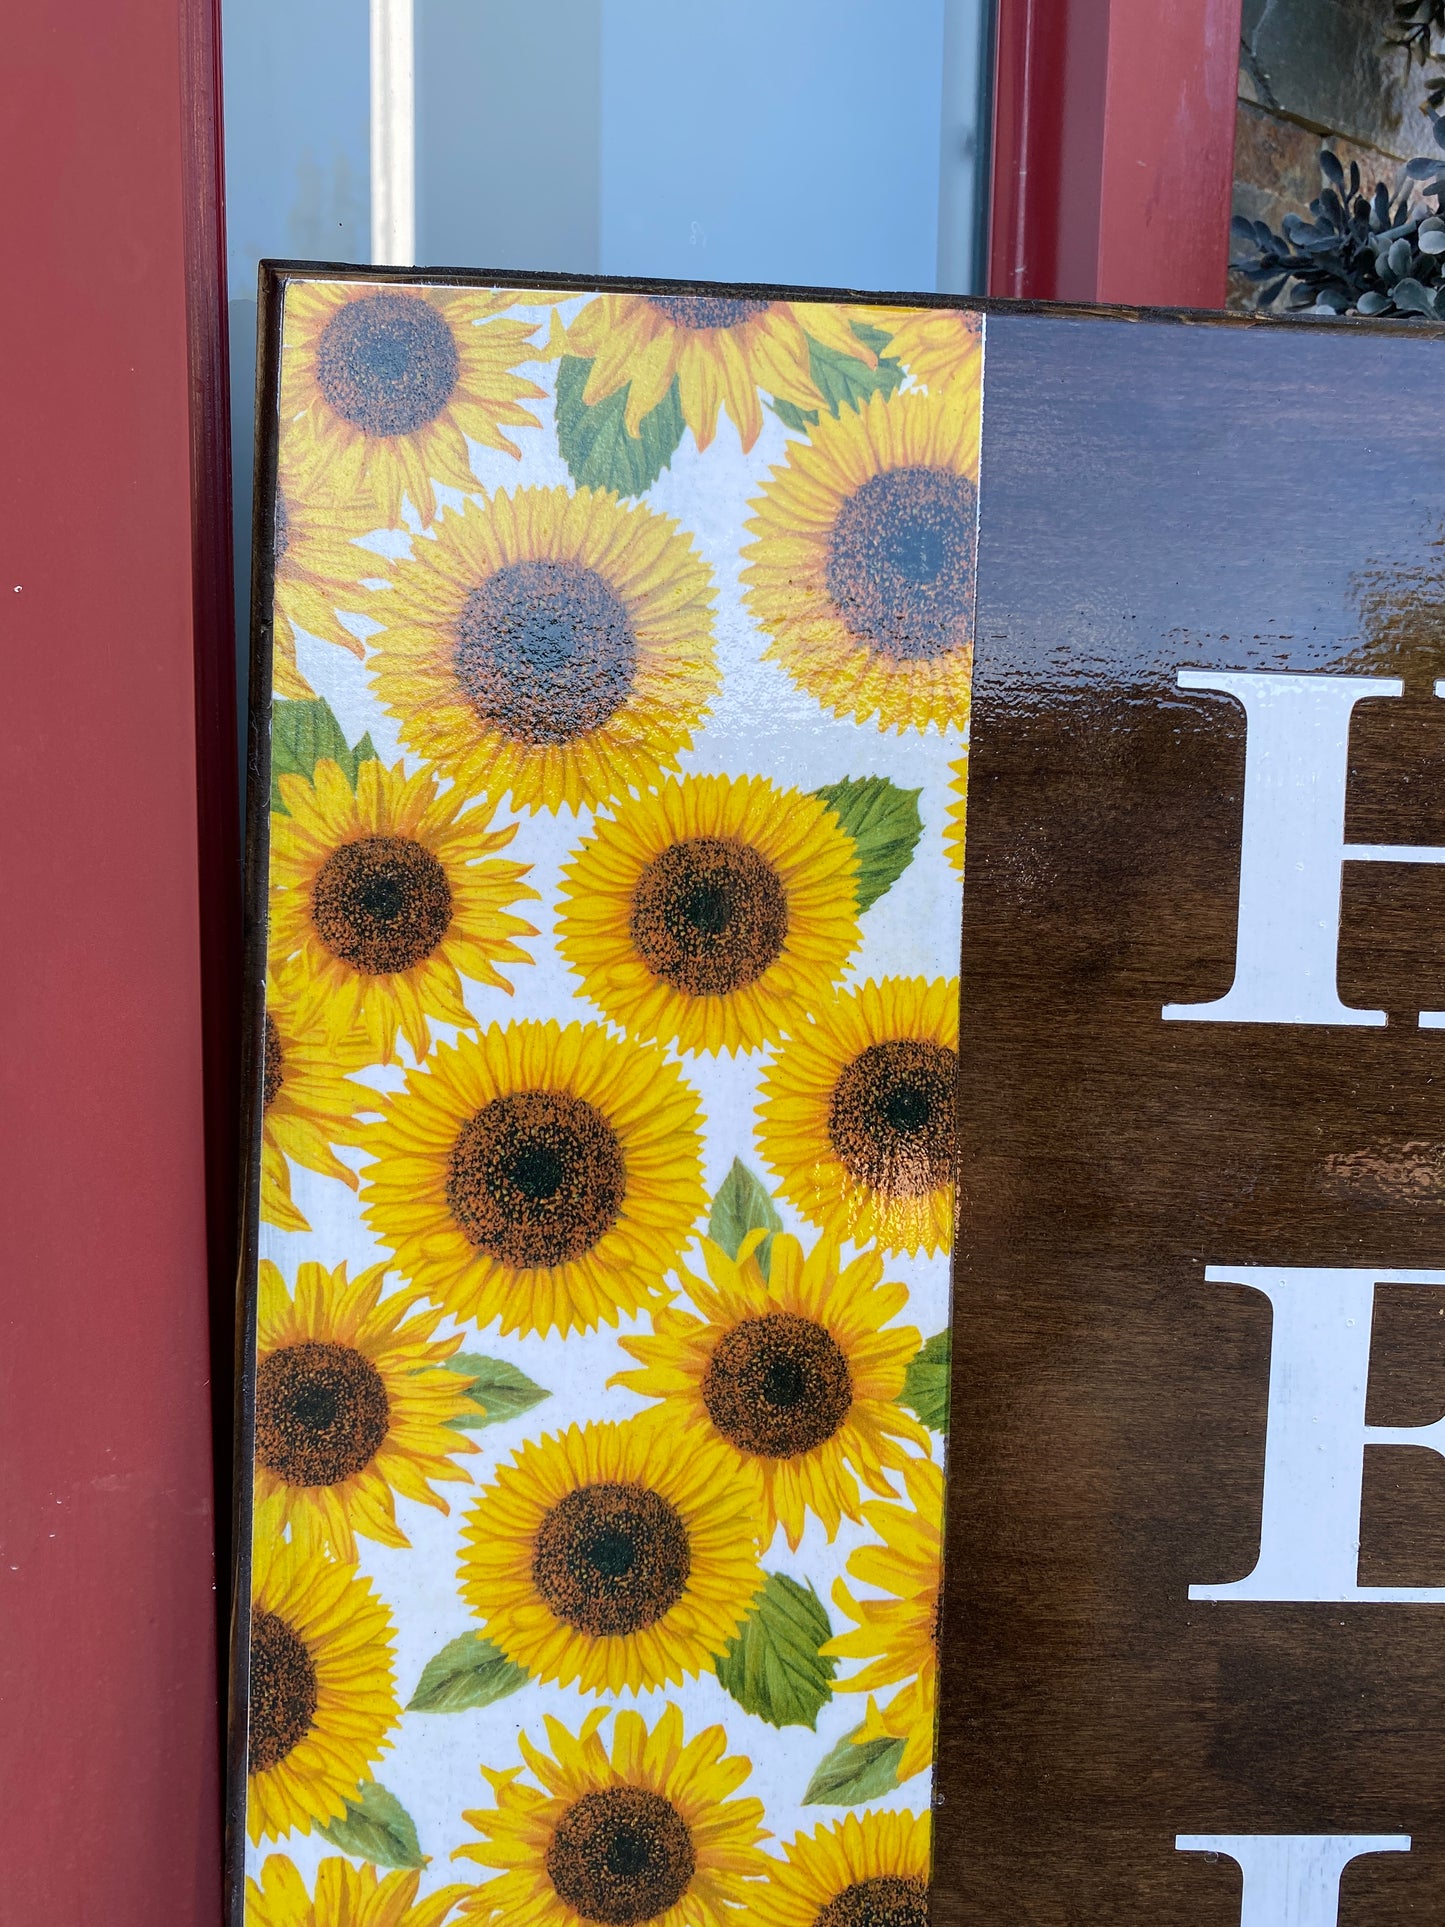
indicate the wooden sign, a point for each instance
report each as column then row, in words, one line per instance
column 633, row 1168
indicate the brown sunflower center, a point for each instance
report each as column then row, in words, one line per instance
column 273, row 1070
column 387, row 363
column 611, row 1558
column 777, row 1385
column 709, row 916
column 381, row 904
column 890, row 1900
column 283, row 1691
column 621, row 1856
column 536, row 1178
column 900, row 562
column 705, row 310
column 281, row 539
column 891, row 1116
column 545, row 651
column 321, row 1413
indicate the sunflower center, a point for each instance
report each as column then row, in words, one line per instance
column 321, row 1413
column 705, row 310
column 611, row 1559
column 283, row 1692
column 381, row 904
column 273, row 1073
column 545, row 651
column 621, row 1856
column 900, row 562
column 891, row 1116
column 281, row 538
column 890, row 1900
column 709, row 916
column 778, row 1385
column 387, row 363
column 536, row 1179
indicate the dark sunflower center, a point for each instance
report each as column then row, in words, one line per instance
column 273, row 1073
column 321, row 1413
column 381, row 904
column 900, row 562
column 387, row 363
column 891, row 1116
column 621, row 1856
column 545, row 651
column 777, row 1386
column 705, row 310
column 889, row 1901
column 610, row 1559
column 282, row 537
column 709, row 916
column 536, row 1178
column 283, row 1692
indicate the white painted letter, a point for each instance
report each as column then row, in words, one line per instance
column 1292, row 1879
column 1314, row 1450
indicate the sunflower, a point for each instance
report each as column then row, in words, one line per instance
column 721, row 350
column 386, row 895
column 857, row 1114
column 319, row 569
column 644, row 1837
column 868, row 1870
column 322, row 1688
column 382, row 387
column 604, row 1556
column 308, row 1102
column 712, row 913
column 937, row 346
column 899, row 1633
column 546, row 1177
column 792, row 1375
column 957, row 824
column 862, row 566
column 555, row 645
column 346, row 1896
column 353, row 1404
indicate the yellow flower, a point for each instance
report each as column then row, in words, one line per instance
column 345, row 1896
column 308, row 1102
column 322, row 1689
column 319, row 569
column 937, row 346
column 898, row 1633
column 546, row 1177
column 387, row 895
column 713, row 913
column 353, row 1403
column 857, row 1114
column 956, row 826
column 793, row 1375
column 722, row 351
column 555, row 645
column 381, row 388
column 861, row 570
column 604, row 1557
column 867, row 1870
column 645, row 1835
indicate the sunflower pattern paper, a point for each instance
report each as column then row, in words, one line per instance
column 620, row 650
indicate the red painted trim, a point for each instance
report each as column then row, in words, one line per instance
column 1113, row 150
column 108, row 1783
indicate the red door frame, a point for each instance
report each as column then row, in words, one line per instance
column 1113, row 150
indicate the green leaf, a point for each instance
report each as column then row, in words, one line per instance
column 470, row 1671
column 800, row 420
column 854, row 1771
column 883, row 821
column 743, row 1205
column 500, row 1390
column 376, row 1827
column 302, row 733
column 594, row 441
column 843, row 379
column 774, row 1666
column 925, row 1383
